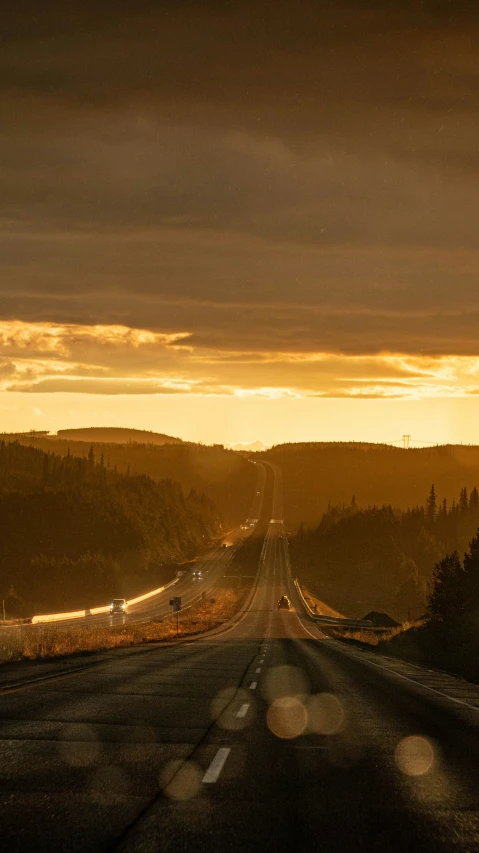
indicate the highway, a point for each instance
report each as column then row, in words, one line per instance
column 268, row 736
column 212, row 566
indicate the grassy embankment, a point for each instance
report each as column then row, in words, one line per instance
column 322, row 609
column 371, row 636
column 49, row 641
column 451, row 646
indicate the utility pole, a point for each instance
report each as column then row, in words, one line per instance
column 406, row 440
column 3, row 605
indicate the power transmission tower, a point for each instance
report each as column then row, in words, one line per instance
column 406, row 440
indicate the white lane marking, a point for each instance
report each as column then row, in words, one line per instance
column 419, row 684
column 259, row 669
column 243, row 711
column 399, row 675
column 216, row 766
column 253, row 685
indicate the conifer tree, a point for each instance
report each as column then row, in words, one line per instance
column 431, row 505
column 447, row 594
column 91, row 456
column 471, row 571
column 463, row 501
column 46, row 470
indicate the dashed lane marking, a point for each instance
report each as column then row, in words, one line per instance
column 216, row 766
column 258, row 670
column 253, row 685
column 243, row 711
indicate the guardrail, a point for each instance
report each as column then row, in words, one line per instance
column 331, row 620
column 94, row 611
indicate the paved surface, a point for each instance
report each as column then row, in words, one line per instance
column 270, row 737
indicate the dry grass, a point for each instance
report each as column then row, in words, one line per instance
column 49, row 641
column 322, row 609
column 373, row 637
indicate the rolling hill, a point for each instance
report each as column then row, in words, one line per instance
column 318, row 474
column 226, row 477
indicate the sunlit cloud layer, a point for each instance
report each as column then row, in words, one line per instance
column 40, row 357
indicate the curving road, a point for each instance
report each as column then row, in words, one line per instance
column 268, row 736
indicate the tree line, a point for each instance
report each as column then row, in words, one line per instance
column 317, row 474
column 74, row 531
column 455, row 585
column 381, row 557
column 227, row 478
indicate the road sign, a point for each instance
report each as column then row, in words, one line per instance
column 175, row 603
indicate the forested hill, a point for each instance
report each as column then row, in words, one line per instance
column 227, row 478
column 117, row 435
column 383, row 558
column 74, row 533
column 318, row 475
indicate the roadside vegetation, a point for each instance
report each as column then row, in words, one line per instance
column 380, row 557
column 40, row 642
column 447, row 637
column 371, row 636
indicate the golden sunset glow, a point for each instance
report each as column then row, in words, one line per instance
column 100, row 359
column 57, row 375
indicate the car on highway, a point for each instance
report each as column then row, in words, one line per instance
column 197, row 574
column 118, row 605
column 284, row 603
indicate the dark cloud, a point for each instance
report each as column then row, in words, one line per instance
column 294, row 176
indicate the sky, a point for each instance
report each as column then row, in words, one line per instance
column 232, row 221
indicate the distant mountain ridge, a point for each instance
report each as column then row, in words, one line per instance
column 117, row 435
column 253, row 447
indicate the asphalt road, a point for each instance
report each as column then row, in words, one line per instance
column 267, row 737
